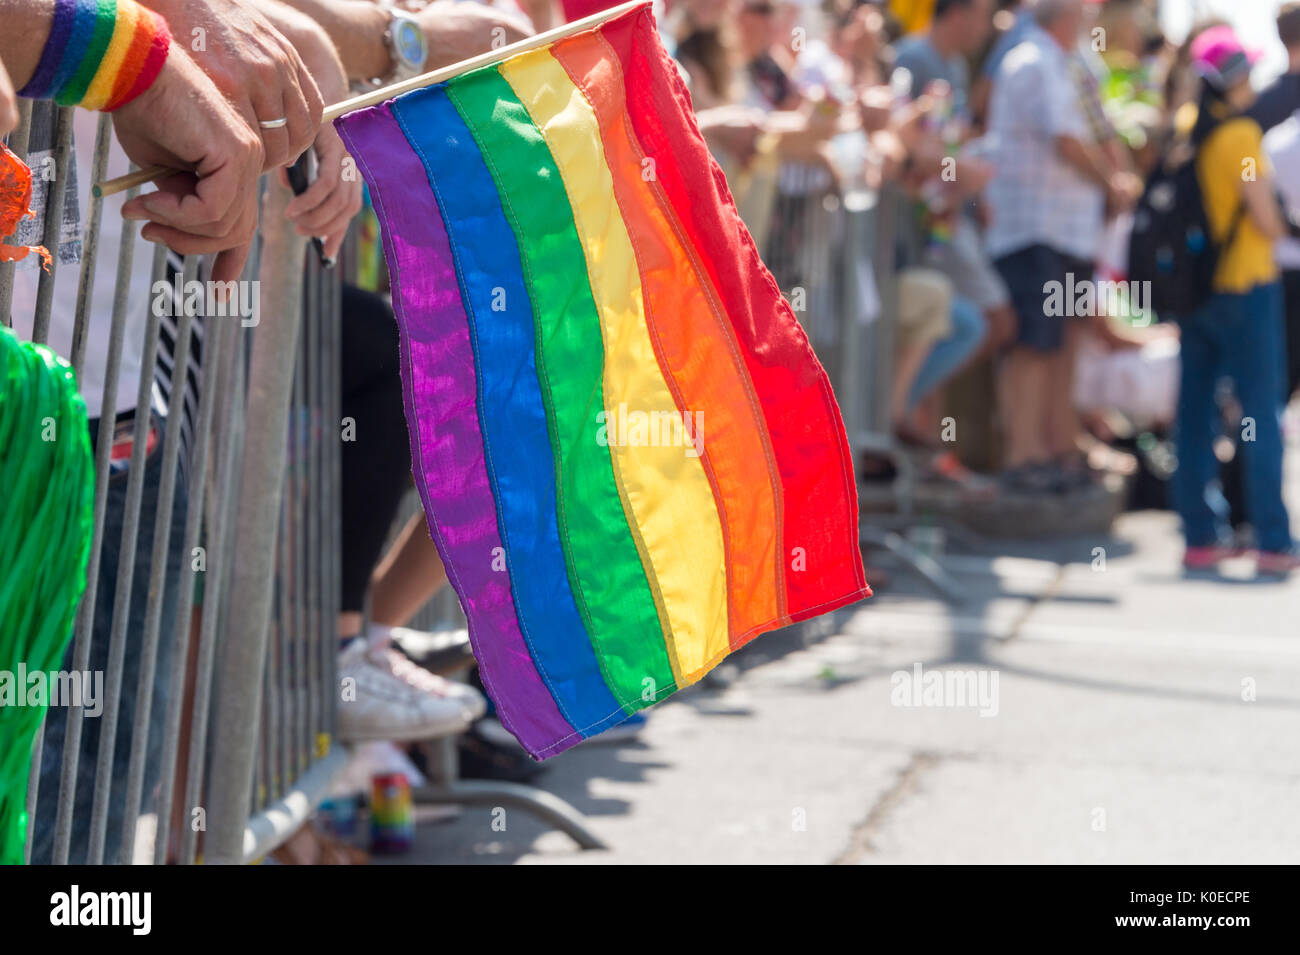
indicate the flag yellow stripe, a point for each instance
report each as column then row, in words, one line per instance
column 101, row 87
column 666, row 487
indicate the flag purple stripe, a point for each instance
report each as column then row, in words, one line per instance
column 439, row 383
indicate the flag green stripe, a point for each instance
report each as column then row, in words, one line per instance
column 604, row 564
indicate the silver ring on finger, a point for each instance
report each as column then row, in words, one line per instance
column 274, row 123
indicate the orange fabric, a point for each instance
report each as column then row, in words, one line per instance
column 700, row 357
column 15, row 199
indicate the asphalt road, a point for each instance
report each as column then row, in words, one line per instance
column 1128, row 714
column 1143, row 718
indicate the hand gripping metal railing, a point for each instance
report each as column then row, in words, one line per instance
column 211, row 601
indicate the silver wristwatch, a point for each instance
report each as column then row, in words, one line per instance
column 406, row 45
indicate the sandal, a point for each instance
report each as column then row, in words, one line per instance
column 876, row 468
column 909, row 437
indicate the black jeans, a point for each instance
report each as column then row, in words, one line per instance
column 376, row 456
column 91, row 727
column 1291, row 306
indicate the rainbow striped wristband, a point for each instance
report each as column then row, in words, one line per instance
column 100, row 55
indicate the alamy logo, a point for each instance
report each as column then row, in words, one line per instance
column 84, row 688
column 241, row 300
column 1088, row 298
column 944, row 688
column 650, row 429
column 133, row 909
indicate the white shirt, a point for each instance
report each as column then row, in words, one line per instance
column 1282, row 144
column 1036, row 198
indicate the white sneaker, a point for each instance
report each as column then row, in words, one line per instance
column 397, row 665
column 377, row 705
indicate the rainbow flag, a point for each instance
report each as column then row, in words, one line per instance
column 631, row 462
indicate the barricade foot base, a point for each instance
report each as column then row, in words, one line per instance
column 925, row 566
column 547, row 807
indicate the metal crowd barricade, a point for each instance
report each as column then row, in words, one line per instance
column 821, row 243
column 247, row 746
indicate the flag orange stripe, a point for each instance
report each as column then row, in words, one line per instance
column 699, row 352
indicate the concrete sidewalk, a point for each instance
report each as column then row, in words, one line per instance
column 1121, row 733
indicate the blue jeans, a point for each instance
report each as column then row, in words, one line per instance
column 949, row 354
column 1237, row 336
column 56, row 719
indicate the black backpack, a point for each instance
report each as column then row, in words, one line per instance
column 1171, row 245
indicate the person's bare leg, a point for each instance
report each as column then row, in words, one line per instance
column 1022, row 388
column 906, row 366
column 349, row 624
column 1062, row 421
column 924, row 306
column 407, row 576
column 924, row 418
column 1001, row 321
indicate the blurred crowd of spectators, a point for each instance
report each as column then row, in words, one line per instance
column 1020, row 135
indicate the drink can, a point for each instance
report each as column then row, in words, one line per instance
column 392, row 814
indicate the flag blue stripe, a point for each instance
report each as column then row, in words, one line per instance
column 511, row 413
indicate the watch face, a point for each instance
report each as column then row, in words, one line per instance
column 408, row 43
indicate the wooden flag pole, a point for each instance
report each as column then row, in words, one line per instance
column 141, row 176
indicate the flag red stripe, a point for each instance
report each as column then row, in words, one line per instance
column 822, row 560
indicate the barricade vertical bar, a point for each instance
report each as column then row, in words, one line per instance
column 158, row 563
column 289, row 569
column 283, row 640
column 244, row 647
column 90, row 247
column 296, row 475
column 216, row 590
column 332, row 491
column 317, row 631
column 270, row 763
column 849, row 386
column 883, row 351
column 334, row 392
column 53, row 224
column 33, row 787
column 273, row 739
column 287, row 608
column 259, row 791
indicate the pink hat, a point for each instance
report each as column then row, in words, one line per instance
column 1220, row 57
